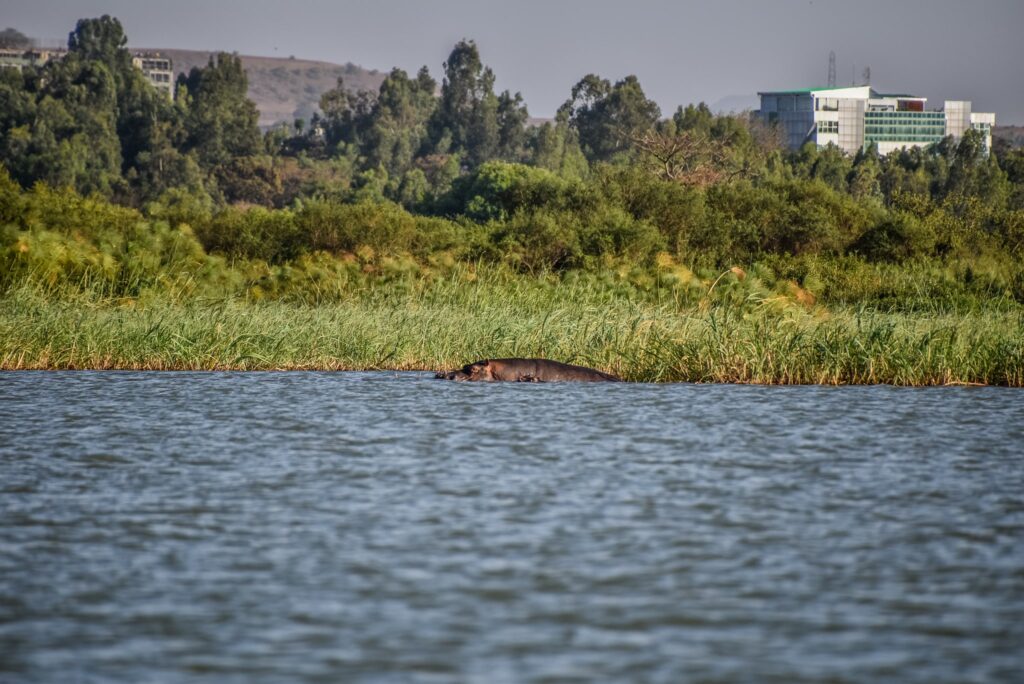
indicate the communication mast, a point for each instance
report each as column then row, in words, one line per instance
column 867, row 75
column 832, row 69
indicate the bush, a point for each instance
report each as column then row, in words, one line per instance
column 787, row 217
column 896, row 239
column 537, row 241
column 677, row 211
column 497, row 190
column 542, row 239
column 63, row 242
column 383, row 227
column 253, row 233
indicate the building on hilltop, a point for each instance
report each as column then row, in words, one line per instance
column 16, row 58
column 157, row 69
column 856, row 116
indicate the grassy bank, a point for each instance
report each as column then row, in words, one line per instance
column 88, row 284
column 450, row 323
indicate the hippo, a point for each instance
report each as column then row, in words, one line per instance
column 524, row 370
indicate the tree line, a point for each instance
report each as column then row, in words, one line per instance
column 609, row 176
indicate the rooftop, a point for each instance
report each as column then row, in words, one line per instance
column 862, row 91
column 804, row 91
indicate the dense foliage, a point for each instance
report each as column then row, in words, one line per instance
column 432, row 222
column 107, row 182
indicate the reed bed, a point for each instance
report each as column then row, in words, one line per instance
column 452, row 322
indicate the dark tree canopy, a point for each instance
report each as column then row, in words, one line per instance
column 512, row 132
column 101, row 39
column 11, row 38
column 466, row 120
column 92, row 121
column 608, row 116
column 397, row 125
column 221, row 122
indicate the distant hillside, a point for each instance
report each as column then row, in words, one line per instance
column 1014, row 135
column 284, row 88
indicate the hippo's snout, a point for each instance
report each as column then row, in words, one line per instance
column 456, row 375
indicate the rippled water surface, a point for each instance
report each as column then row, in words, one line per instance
column 377, row 527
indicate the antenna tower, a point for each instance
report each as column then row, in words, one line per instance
column 867, row 75
column 832, row 69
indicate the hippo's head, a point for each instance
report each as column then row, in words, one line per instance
column 456, row 375
column 481, row 371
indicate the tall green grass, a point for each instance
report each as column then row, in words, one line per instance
column 452, row 322
column 86, row 284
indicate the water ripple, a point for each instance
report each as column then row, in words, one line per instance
column 260, row 527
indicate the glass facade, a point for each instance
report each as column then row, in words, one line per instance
column 910, row 127
column 856, row 116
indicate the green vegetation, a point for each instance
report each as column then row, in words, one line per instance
column 453, row 321
column 88, row 284
column 421, row 227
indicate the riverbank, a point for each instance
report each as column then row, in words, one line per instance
column 446, row 327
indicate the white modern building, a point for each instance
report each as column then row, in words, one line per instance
column 856, row 116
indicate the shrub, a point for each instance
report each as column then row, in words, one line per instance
column 252, row 233
column 497, row 190
column 896, row 239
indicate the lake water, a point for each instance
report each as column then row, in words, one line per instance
column 379, row 527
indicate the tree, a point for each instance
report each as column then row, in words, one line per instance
column 466, row 120
column 608, row 118
column 101, row 39
column 555, row 146
column 694, row 118
column 863, row 177
column 13, row 39
column 975, row 172
column 832, row 166
column 220, row 123
column 697, row 148
column 61, row 121
column 346, row 115
column 512, row 120
column 689, row 157
column 1012, row 164
column 903, row 173
column 148, row 127
column 396, row 129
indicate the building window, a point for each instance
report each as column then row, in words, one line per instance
column 828, row 127
column 904, row 127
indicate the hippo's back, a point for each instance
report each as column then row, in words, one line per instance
column 545, row 370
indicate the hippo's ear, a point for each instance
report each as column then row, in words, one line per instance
column 485, row 363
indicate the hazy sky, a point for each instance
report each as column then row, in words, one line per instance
column 683, row 51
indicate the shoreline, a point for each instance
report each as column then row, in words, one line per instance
column 444, row 328
column 312, row 369
column 300, row 368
